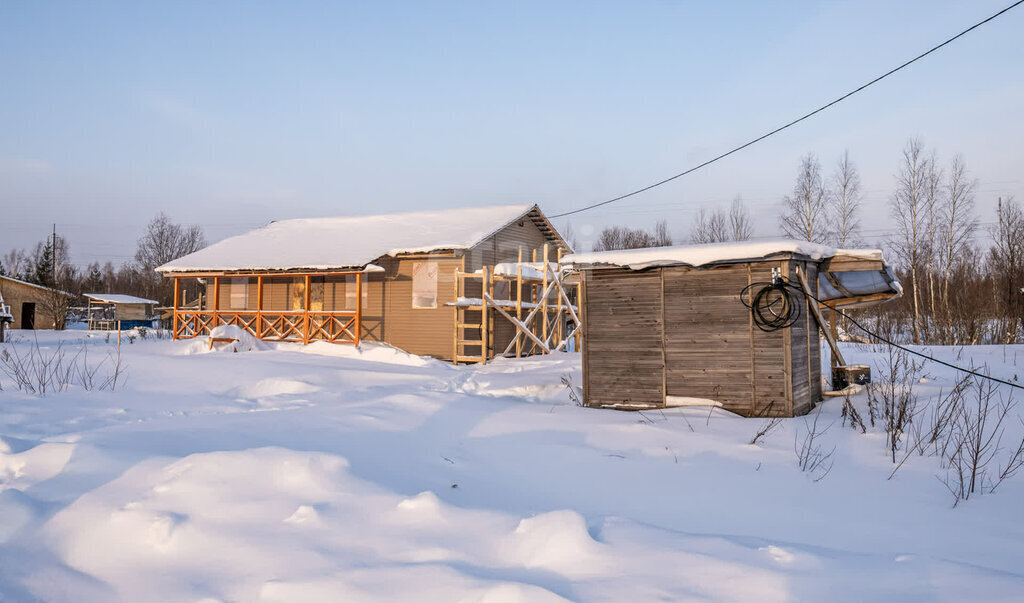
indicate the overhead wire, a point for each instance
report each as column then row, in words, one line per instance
column 791, row 123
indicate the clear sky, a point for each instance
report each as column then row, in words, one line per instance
column 232, row 114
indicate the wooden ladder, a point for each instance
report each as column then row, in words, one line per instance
column 461, row 342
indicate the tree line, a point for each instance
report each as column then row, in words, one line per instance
column 49, row 264
column 957, row 290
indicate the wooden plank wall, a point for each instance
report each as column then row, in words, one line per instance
column 712, row 349
column 708, row 339
column 623, row 340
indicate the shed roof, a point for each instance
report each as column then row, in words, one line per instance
column 118, row 298
column 847, row 276
column 713, row 253
column 28, row 284
column 349, row 241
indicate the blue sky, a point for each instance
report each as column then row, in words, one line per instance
column 230, row 115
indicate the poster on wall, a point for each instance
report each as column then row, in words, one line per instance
column 424, row 284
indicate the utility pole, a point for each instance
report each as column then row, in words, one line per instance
column 54, row 273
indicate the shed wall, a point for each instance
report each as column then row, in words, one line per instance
column 17, row 294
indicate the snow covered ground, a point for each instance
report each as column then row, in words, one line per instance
column 327, row 473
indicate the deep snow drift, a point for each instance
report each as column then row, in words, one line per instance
column 327, row 473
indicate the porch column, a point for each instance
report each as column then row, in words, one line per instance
column 359, row 307
column 216, row 302
column 259, row 306
column 305, row 309
column 174, row 308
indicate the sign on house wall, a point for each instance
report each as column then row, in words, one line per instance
column 424, row 284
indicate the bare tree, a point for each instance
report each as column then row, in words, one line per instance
column 908, row 207
column 618, row 237
column 846, row 199
column 958, row 227
column 569, row 235
column 804, row 213
column 165, row 241
column 719, row 226
column 709, row 227
column 739, row 220
column 933, row 194
column 1007, row 263
column 662, row 238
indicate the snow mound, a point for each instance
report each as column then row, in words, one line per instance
column 372, row 352
column 557, row 541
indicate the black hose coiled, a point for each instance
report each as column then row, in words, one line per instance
column 772, row 306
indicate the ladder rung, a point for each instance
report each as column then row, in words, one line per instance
column 469, row 325
column 469, row 358
column 469, row 341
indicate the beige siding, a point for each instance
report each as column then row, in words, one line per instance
column 423, row 331
column 131, row 311
column 17, row 295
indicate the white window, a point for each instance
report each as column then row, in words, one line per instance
column 424, row 284
column 350, row 291
column 239, row 293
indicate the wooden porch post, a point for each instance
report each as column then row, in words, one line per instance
column 359, row 307
column 174, row 308
column 305, row 310
column 519, row 300
column 544, row 300
column 216, row 302
column 259, row 306
column 484, row 327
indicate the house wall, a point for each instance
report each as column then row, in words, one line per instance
column 17, row 294
column 424, row 331
column 684, row 332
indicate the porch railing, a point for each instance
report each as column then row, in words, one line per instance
column 290, row 325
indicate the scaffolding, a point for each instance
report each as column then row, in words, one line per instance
column 502, row 294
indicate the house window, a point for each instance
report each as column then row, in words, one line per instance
column 239, row 293
column 350, row 291
column 424, row 284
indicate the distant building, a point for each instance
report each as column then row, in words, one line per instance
column 32, row 306
column 115, row 310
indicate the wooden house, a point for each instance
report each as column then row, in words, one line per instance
column 667, row 326
column 115, row 310
column 387, row 278
column 32, row 306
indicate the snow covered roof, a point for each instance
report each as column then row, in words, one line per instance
column 28, row 284
column 349, row 241
column 117, row 298
column 712, row 253
column 860, row 284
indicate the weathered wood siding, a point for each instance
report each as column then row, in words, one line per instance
column 624, row 364
column 132, row 311
column 696, row 321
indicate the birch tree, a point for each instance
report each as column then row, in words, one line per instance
column 805, row 213
column 933, row 194
column 1007, row 261
column 957, row 230
column 908, row 207
column 846, row 199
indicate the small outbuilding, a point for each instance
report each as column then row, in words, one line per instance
column 33, row 306
column 668, row 327
column 112, row 310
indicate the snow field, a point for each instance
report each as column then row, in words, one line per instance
column 326, row 473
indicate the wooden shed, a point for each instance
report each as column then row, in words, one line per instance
column 116, row 310
column 667, row 327
column 386, row 278
column 32, row 306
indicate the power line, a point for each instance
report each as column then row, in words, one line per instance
column 792, row 123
